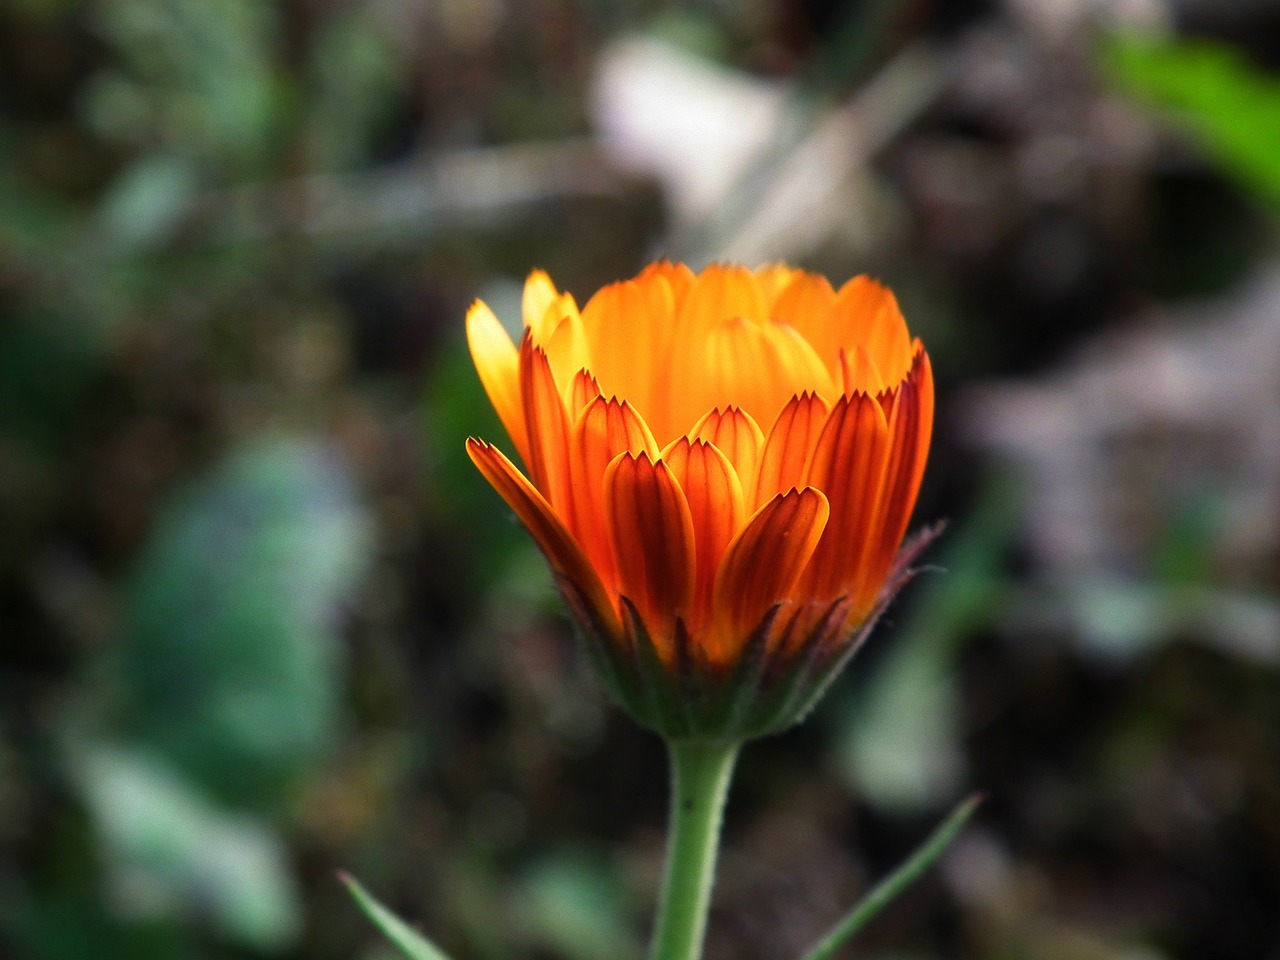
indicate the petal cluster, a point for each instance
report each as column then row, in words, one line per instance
column 719, row 463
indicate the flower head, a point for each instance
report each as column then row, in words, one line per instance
column 720, row 469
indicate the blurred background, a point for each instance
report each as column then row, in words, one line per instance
column 260, row 619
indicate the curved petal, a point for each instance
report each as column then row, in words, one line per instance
column 765, row 561
column 866, row 313
column 677, row 275
column 604, row 429
column 714, row 494
column 539, row 293
column 628, row 327
column 585, row 388
column 547, row 423
column 653, row 541
column 563, row 339
column 739, row 438
column 757, row 367
column 910, row 429
column 786, row 450
column 773, row 279
column 719, row 292
column 859, row 373
column 805, row 304
column 550, row 534
column 848, row 465
column 497, row 363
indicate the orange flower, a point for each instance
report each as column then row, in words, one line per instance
column 720, row 471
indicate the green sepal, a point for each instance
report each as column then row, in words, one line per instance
column 407, row 940
column 776, row 679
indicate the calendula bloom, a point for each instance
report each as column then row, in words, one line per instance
column 720, row 469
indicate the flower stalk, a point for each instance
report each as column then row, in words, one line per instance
column 701, row 771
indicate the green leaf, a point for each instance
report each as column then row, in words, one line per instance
column 229, row 664
column 1231, row 107
column 170, row 852
column 409, row 942
column 888, row 889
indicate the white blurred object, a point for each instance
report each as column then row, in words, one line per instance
column 743, row 160
column 693, row 125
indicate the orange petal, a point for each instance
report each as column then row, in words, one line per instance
column 786, row 450
column 714, row 494
column 848, row 465
column 757, row 367
column 866, row 314
column 653, row 541
column 859, row 373
column 805, row 304
column 739, row 438
column 585, row 389
column 539, row 518
column 604, row 429
column 628, row 327
column 497, row 363
column 719, row 292
column 548, row 428
column 564, row 340
column 765, row 560
column 678, row 276
column 910, row 428
column 773, row 279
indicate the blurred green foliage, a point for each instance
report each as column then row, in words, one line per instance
column 259, row 618
column 228, row 663
column 222, row 695
column 171, row 854
column 1229, row 105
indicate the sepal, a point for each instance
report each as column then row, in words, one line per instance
column 781, row 671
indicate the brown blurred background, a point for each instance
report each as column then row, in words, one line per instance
column 260, row 619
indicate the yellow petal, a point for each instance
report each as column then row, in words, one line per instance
column 539, row 294
column 678, row 276
column 496, row 361
column 566, row 345
column 718, row 293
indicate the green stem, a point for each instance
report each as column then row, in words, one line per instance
column 700, row 775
